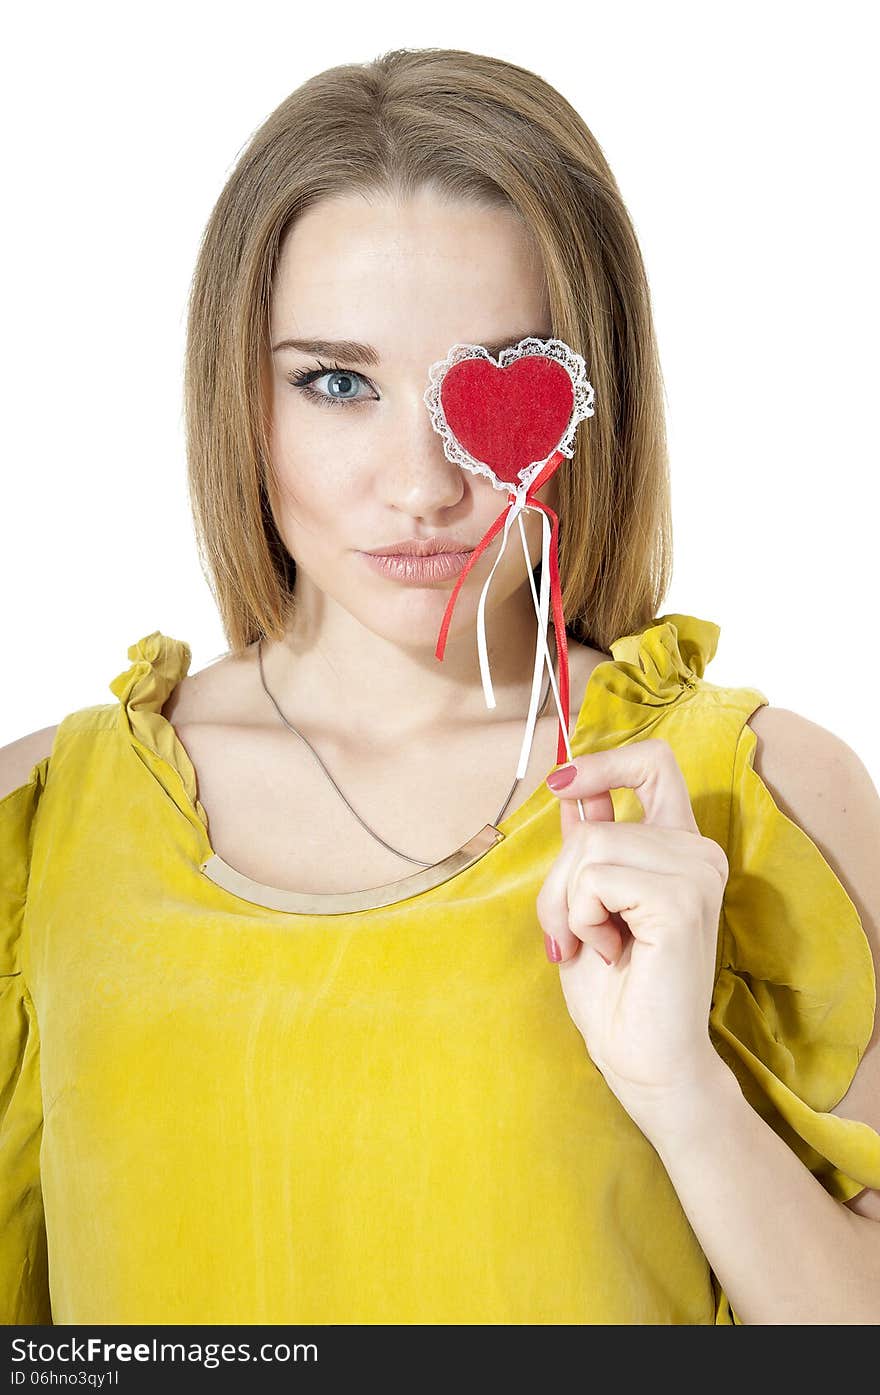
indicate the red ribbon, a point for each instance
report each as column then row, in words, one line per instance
column 555, row 588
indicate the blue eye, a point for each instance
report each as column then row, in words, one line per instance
column 303, row 378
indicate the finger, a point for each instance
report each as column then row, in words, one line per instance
column 651, row 906
column 597, row 807
column 570, row 911
column 649, row 768
column 552, row 901
column 591, row 920
column 553, row 904
column 669, row 851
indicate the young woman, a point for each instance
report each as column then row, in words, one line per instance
column 311, row 1013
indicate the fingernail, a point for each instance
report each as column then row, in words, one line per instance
column 554, row 953
column 601, row 955
column 558, row 779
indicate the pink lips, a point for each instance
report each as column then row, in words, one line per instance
column 417, row 571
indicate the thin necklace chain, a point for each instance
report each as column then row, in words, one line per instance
column 351, row 808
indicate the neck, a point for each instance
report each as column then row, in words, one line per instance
column 329, row 668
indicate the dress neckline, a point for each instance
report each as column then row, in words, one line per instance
column 655, row 665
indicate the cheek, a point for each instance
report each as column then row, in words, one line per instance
column 314, row 486
column 311, row 504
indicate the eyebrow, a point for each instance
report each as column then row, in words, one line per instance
column 351, row 351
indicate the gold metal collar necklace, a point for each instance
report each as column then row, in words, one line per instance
column 370, row 898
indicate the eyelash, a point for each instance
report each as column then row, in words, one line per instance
column 302, row 377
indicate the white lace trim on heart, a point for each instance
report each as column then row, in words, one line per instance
column 557, row 349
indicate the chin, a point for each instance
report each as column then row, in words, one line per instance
column 414, row 621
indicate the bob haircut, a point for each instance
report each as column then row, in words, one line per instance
column 466, row 127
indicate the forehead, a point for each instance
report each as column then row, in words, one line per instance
column 408, row 277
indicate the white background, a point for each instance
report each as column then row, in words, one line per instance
column 744, row 141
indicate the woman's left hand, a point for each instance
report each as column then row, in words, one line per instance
column 648, row 896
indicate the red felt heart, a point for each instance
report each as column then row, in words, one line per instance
column 510, row 417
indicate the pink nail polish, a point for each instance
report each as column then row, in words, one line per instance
column 554, row 953
column 558, row 779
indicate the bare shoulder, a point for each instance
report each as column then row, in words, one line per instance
column 19, row 757
column 811, row 772
column 217, row 693
column 815, row 777
column 821, row 783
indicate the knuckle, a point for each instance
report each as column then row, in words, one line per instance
column 716, row 857
column 690, row 902
column 592, row 840
column 577, row 881
column 661, row 747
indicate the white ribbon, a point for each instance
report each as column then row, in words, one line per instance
column 542, row 652
column 516, row 509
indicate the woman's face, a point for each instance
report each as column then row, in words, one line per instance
column 358, row 463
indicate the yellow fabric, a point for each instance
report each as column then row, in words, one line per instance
column 218, row 1112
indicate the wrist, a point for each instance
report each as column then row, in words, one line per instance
column 674, row 1115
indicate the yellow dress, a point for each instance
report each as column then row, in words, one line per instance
column 215, row 1111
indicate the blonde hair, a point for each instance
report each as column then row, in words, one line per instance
column 470, row 127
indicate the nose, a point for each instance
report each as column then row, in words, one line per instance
column 414, row 475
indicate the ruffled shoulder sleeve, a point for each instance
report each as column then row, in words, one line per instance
column 650, row 673
column 24, row 1283
column 671, row 651
column 795, row 993
column 159, row 662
